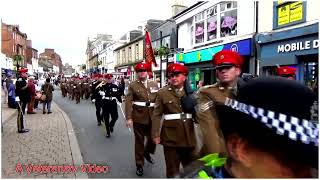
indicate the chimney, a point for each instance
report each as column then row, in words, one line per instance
column 177, row 7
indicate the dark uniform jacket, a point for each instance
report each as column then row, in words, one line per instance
column 112, row 90
column 137, row 92
column 174, row 133
column 21, row 91
column 95, row 91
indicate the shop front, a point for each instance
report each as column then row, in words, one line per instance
column 296, row 47
column 200, row 64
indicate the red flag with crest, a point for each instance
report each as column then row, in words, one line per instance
column 149, row 51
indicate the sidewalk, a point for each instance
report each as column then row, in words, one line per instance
column 51, row 141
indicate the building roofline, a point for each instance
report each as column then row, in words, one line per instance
column 189, row 8
column 131, row 42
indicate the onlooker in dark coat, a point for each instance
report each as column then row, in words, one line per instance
column 47, row 89
column 22, row 91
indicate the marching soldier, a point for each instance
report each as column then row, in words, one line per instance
column 82, row 86
column 77, row 90
column 73, row 87
column 110, row 95
column 87, row 88
column 228, row 68
column 63, row 88
column 177, row 132
column 139, row 105
column 96, row 98
column 69, row 88
column 287, row 72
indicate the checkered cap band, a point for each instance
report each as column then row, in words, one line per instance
column 294, row 128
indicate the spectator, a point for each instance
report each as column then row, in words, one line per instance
column 47, row 89
column 38, row 91
column 11, row 94
column 5, row 89
column 32, row 91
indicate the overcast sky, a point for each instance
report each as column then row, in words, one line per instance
column 65, row 25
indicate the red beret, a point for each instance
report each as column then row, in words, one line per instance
column 172, row 68
column 143, row 66
column 286, row 70
column 108, row 76
column 227, row 57
column 23, row 70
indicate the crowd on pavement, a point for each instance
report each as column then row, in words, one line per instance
column 26, row 94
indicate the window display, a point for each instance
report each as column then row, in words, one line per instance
column 212, row 23
column 228, row 19
column 199, row 28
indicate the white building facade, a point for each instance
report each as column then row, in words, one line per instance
column 210, row 27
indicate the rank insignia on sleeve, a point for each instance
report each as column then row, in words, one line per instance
column 205, row 106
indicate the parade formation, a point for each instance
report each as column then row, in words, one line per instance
column 230, row 120
column 219, row 89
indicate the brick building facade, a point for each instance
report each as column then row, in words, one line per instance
column 14, row 42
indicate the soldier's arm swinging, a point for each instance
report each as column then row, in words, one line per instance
column 156, row 120
column 128, row 103
column 206, row 116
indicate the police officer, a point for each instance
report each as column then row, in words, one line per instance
column 177, row 132
column 228, row 69
column 287, row 72
column 266, row 134
column 111, row 94
column 139, row 108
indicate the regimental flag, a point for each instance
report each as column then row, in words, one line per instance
column 149, row 51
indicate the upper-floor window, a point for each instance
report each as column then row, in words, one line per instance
column 212, row 23
column 137, row 51
column 199, row 27
column 129, row 54
column 123, row 56
column 228, row 16
column 287, row 13
column 216, row 22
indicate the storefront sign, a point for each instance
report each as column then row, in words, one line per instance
column 298, row 46
column 243, row 47
column 124, row 70
column 289, row 13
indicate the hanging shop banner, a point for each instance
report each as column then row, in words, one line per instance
column 243, row 47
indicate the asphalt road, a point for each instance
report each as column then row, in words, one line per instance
column 117, row 152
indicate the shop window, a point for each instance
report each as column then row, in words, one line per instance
column 199, row 28
column 310, row 73
column 287, row 13
column 228, row 16
column 212, row 23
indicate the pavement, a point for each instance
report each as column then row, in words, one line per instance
column 49, row 150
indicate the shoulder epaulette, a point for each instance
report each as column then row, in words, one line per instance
column 209, row 86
